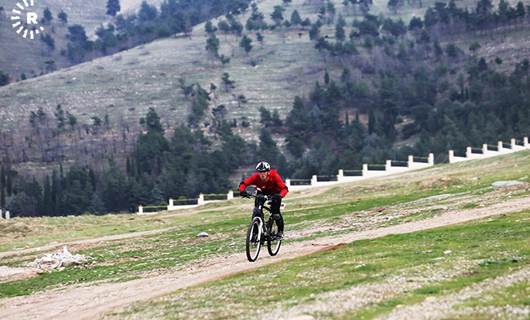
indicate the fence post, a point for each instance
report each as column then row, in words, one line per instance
column 499, row 145
column 1, row 214
column 340, row 175
column 484, row 148
column 314, row 180
column 288, row 182
column 410, row 161
column 388, row 165
column 365, row 169
column 230, row 195
column 8, row 215
column 468, row 152
column 451, row 156
column 140, row 209
column 512, row 142
column 171, row 205
column 200, row 201
column 525, row 142
column 431, row 159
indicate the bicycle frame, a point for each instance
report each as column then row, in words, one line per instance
column 264, row 227
column 260, row 206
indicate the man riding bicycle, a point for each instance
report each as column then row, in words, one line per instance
column 268, row 182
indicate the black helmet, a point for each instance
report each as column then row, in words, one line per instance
column 263, row 166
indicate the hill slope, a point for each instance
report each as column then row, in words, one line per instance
column 121, row 88
column 315, row 270
column 29, row 57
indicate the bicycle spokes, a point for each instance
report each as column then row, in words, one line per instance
column 254, row 239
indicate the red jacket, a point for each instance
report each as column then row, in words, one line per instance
column 274, row 184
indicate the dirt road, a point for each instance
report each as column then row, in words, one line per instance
column 93, row 301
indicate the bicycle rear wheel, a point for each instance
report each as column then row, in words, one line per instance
column 254, row 235
column 273, row 243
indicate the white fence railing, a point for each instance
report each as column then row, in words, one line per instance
column 368, row 171
column 7, row 214
column 488, row 151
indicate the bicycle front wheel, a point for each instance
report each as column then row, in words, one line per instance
column 273, row 243
column 254, row 235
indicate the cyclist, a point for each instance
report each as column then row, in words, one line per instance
column 269, row 182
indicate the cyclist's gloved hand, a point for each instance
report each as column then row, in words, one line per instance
column 244, row 194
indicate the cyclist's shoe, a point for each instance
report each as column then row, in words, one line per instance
column 279, row 236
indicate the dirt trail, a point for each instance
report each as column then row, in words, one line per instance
column 93, row 301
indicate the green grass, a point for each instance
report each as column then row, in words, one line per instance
column 515, row 295
column 483, row 272
column 174, row 248
column 226, row 222
column 369, row 261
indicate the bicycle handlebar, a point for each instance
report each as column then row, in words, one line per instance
column 257, row 196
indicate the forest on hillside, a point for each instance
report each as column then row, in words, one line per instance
column 424, row 94
column 122, row 31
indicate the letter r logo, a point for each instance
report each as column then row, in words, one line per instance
column 32, row 18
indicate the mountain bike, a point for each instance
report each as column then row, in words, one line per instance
column 260, row 230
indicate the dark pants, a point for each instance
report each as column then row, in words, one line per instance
column 276, row 202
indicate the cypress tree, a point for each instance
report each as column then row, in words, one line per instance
column 113, row 7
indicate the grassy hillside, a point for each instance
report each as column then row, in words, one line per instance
column 123, row 86
column 28, row 57
column 310, row 214
column 373, row 278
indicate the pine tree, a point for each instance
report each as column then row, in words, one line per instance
column 371, row 122
column 277, row 15
column 63, row 17
column 151, row 146
column 269, row 151
column 235, row 26
column 212, row 45
column 47, row 200
column 340, row 34
column 2, row 187
column 520, row 11
column 157, row 196
column 4, row 78
column 152, row 122
column 331, row 11
column 314, row 32
column 60, row 118
column 227, row 82
column 47, row 16
column 48, row 40
column 394, row 5
column 113, row 7
column 209, row 27
column 504, row 10
column 246, row 44
column 295, row 18
column 96, row 204
column 260, row 38
column 115, row 193
column 223, row 26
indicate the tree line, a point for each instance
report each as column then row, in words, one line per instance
column 150, row 23
column 181, row 166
